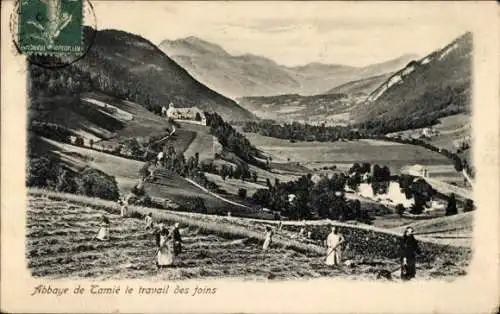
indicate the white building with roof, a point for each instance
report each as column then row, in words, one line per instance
column 191, row 114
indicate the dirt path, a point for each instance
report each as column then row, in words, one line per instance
column 215, row 194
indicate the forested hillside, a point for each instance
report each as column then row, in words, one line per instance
column 130, row 67
column 436, row 86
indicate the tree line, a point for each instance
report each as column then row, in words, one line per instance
column 232, row 140
column 324, row 199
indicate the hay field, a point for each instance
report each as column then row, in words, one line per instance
column 60, row 245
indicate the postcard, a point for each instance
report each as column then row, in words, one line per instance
column 249, row 157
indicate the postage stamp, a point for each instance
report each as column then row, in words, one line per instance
column 50, row 26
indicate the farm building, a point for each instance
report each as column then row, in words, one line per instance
column 417, row 170
column 429, row 132
column 192, row 113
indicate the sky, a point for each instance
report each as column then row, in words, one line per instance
column 296, row 33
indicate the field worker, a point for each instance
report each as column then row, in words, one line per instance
column 123, row 207
column 302, row 231
column 269, row 238
column 149, row 221
column 103, row 233
column 165, row 254
column 177, row 239
column 228, row 214
column 158, row 232
column 408, row 250
column 334, row 249
column 280, row 225
column 159, row 158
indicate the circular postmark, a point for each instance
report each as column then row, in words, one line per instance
column 53, row 33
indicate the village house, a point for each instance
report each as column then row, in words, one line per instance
column 418, row 171
column 188, row 114
column 429, row 132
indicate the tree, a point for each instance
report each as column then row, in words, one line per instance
column 79, row 141
column 458, row 164
column 65, row 182
column 268, row 183
column 144, row 171
column 93, row 182
column 254, row 176
column 400, row 209
column 242, row 193
column 41, row 171
column 469, row 205
column 451, row 208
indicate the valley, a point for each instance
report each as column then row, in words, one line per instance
column 299, row 145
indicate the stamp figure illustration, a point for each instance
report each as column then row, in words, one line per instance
column 50, row 26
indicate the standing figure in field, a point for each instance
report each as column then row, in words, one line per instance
column 302, row 229
column 269, row 238
column 408, row 250
column 103, row 233
column 165, row 254
column 334, row 243
column 177, row 239
column 123, row 207
column 158, row 232
column 149, row 221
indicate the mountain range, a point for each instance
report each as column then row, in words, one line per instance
column 251, row 75
column 437, row 85
column 416, row 95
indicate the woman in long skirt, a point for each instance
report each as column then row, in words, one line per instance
column 269, row 238
column 165, row 254
column 409, row 248
column 149, row 221
column 123, row 207
column 103, row 233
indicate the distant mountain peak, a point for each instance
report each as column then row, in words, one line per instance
column 190, row 46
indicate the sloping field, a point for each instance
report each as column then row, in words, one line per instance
column 126, row 171
column 60, row 244
column 176, row 188
column 462, row 221
column 233, row 185
column 456, row 228
column 394, row 155
column 203, row 143
column 450, row 128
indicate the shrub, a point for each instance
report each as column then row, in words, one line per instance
column 66, row 182
column 138, row 190
column 79, row 141
column 242, row 193
column 193, row 205
column 469, row 206
column 451, row 208
column 400, row 209
column 93, row 182
column 41, row 172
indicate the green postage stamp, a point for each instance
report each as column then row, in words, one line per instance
column 49, row 27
